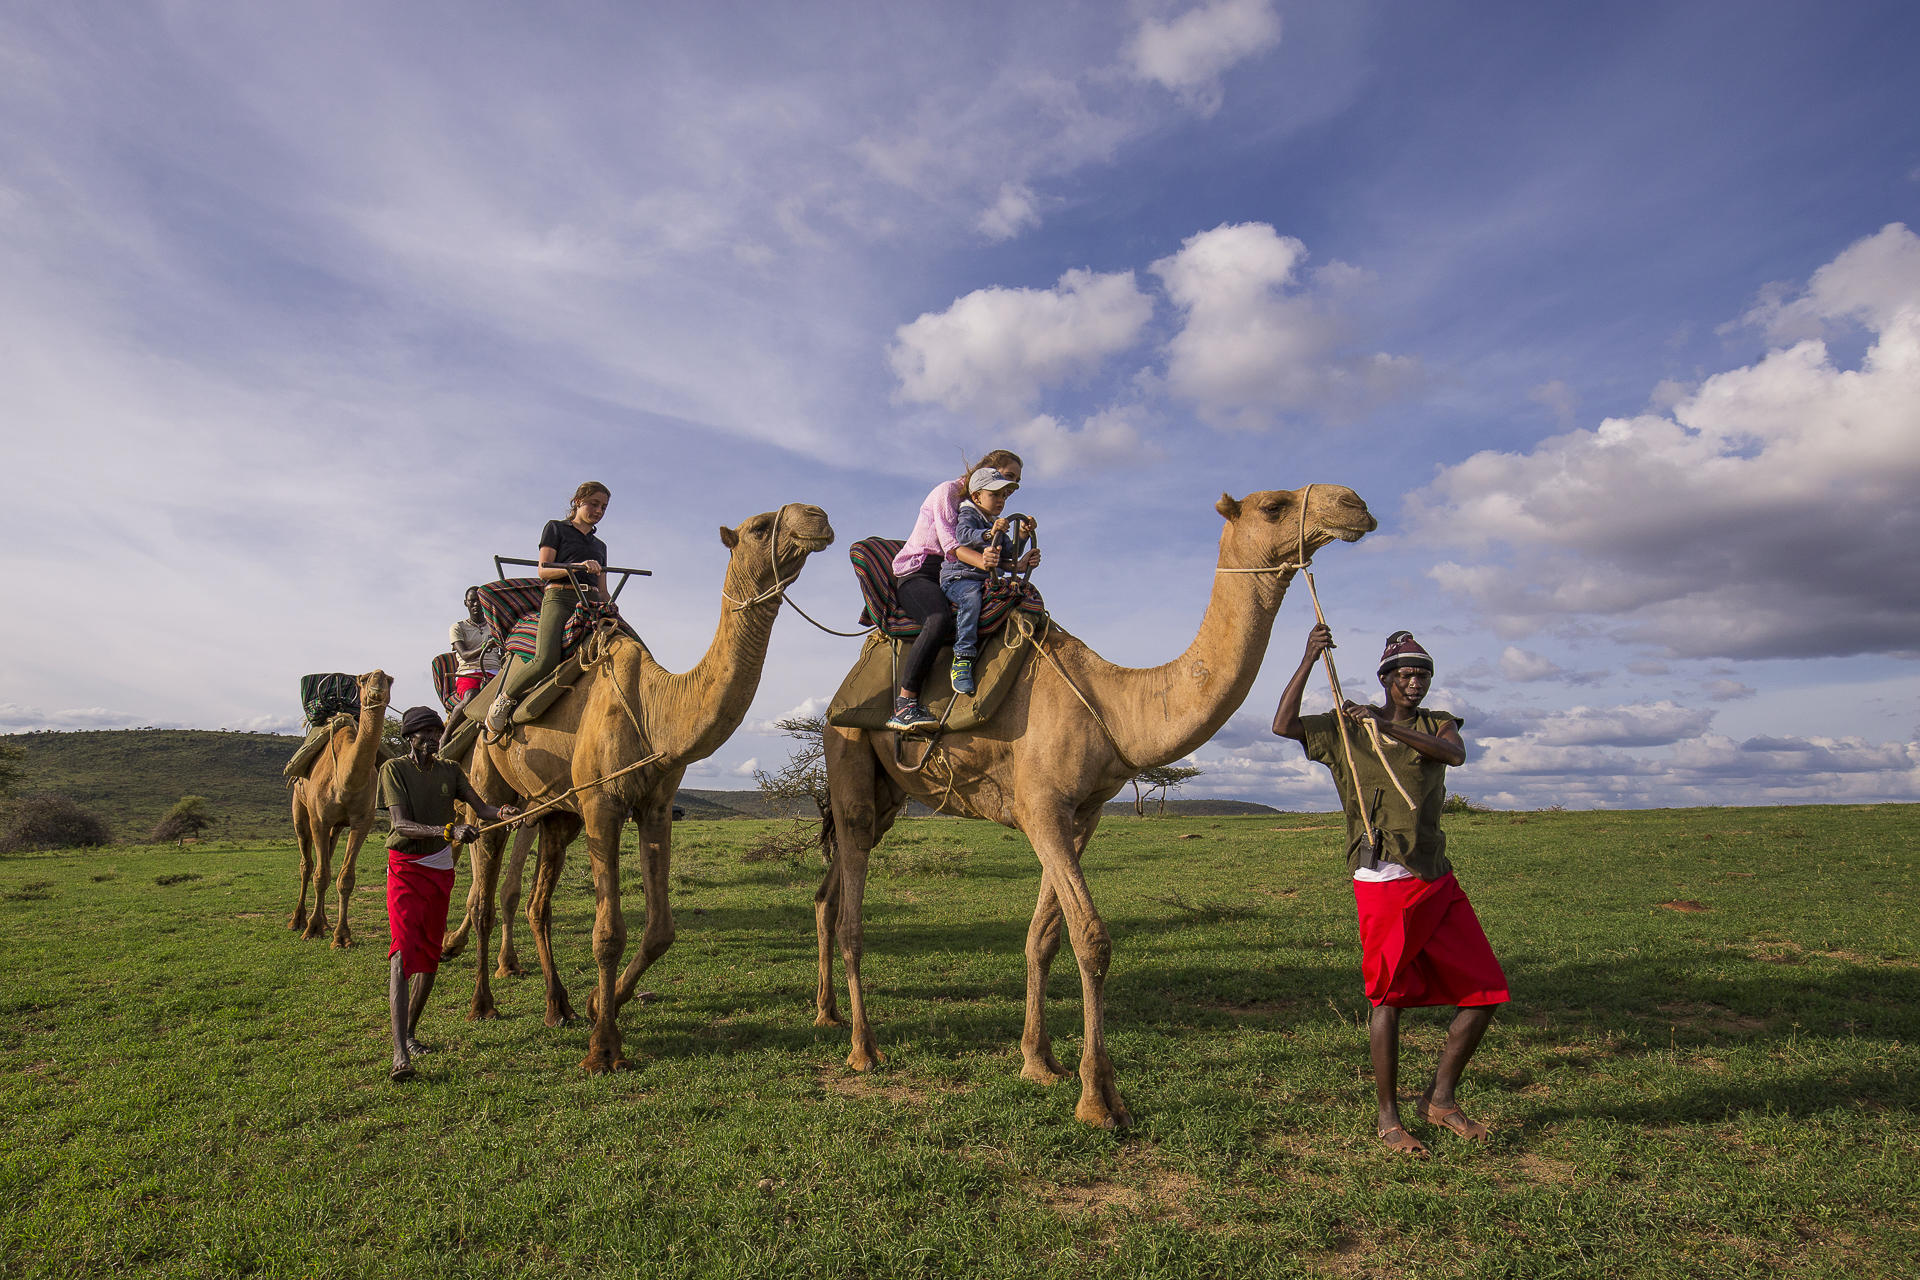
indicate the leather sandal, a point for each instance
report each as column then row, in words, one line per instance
column 1400, row 1142
column 1452, row 1119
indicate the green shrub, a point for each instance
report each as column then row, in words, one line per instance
column 50, row 822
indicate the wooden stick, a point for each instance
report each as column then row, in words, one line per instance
column 1340, row 718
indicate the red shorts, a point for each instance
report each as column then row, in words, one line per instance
column 417, row 899
column 464, row 685
column 1422, row 945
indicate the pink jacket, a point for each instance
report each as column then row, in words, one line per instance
column 933, row 531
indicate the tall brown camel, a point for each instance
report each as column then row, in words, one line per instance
column 1045, row 764
column 631, row 709
column 336, row 795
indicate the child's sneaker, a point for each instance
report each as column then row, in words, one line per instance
column 962, row 675
column 909, row 716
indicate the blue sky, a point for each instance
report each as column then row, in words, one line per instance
column 1612, row 313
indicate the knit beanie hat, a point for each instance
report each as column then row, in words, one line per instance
column 1404, row 651
column 418, row 718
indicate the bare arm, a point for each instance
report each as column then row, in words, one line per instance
column 1286, row 718
column 473, row 801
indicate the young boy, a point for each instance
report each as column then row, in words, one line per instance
column 1421, row 944
column 981, row 545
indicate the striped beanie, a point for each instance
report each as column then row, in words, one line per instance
column 1404, row 651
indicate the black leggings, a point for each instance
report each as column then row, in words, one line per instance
column 920, row 595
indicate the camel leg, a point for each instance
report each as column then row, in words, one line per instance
column 555, row 836
column 604, row 818
column 1043, row 943
column 510, row 966
column 856, row 825
column 655, row 821
column 1054, row 840
column 826, row 911
column 302, row 832
column 456, row 940
column 317, row 921
column 356, row 836
column 484, row 857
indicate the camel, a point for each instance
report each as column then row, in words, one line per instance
column 633, row 718
column 1064, row 742
column 337, row 794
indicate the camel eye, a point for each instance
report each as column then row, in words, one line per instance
column 1272, row 508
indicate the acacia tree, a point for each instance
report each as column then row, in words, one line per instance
column 188, row 817
column 1160, row 780
column 803, row 777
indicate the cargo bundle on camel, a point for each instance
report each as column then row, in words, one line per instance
column 607, row 736
column 1045, row 752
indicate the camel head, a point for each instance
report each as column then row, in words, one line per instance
column 800, row 530
column 1264, row 529
column 376, row 687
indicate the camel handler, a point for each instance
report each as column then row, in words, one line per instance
column 1421, row 943
column 418, row 791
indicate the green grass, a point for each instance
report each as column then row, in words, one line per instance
column 189, row 1090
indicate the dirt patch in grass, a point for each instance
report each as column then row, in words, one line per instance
column 1529, row 1169
column 1354, row 1258
column 1698, row 1016
column 1686, row 905
column 250, row 915
column 834, row 1081
column 1140, row 1186
column 1290, row 830
column 179, row 877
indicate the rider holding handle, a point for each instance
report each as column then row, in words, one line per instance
column 562, row 542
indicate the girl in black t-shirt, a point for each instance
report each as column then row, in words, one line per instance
column 562, row 542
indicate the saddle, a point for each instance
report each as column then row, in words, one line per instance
column 328, row 694
column 865, row 697
column 464, row 728
column 511, row 608
column 873, row 569
column 444, row 666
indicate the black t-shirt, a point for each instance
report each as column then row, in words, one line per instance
column 570, row 546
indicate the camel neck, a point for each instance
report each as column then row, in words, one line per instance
column 1161, row 714
column 362, row 755
column 690, row 714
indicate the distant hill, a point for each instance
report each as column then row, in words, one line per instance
column 130, row 777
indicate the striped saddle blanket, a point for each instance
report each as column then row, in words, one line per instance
column 444, row 665
column 512, row 610
column 873, row 568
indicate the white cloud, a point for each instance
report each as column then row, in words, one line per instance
column 1557, row 396
column 994, row 350
column 1189, row 53
column 814, row 706
column 1521, row 666
column 1110, row 438
column 1646, row 724
column 1772, row 515
column 1867, row 284
column 746, row 768
column 15, row 718
column 1262, row 337
column 1729, row 690
column 1013, row 212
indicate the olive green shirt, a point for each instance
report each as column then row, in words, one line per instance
column 426, row 794
column 1410, row 837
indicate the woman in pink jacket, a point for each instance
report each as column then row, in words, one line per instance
column 916, row 572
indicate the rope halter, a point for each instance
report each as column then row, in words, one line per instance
column 1302, row 561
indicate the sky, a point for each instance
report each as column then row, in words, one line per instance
column 1610, row 312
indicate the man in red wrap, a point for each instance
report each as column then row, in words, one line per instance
column 418, row 791
column 1421, row 943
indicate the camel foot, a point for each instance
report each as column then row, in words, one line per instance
column 865, row 1059
column 298, row 922
column 482, row 1009
column 829, row 1018
column 565, row 1017
column 601, row 1061
column 342, row 941
column 451, row 950
column 509, row 971
column 315, row 928
column 1042, row 1069
column 1106, row 1112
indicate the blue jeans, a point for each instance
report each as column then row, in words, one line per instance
column 964, row 593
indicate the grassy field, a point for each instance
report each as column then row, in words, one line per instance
column 1709, row 1069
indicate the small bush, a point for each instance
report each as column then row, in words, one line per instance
column 50, row 822
column 1457, row 803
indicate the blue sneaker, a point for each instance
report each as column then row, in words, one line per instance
column 962, row 675
column 909, row 716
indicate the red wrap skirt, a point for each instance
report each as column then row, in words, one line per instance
column 417, row 899
column 1422, row 945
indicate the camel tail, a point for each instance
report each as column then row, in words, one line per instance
column 826, row 828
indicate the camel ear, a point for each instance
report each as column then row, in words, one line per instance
column 1228, row 506
column 728, row 538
